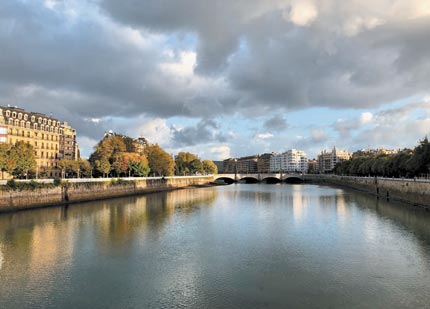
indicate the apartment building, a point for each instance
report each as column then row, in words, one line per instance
column 51, row 139
column 327, row 161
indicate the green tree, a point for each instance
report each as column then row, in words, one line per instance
column 209, row 167
column 4, row 158
column 103, row 166
column 187, row 164
column 23, row 154
column 84, row 167
column 160, row 162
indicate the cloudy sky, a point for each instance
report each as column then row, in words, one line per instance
column 223, row 78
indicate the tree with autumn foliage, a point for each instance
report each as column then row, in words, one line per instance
column 209, row 167
column 160, row 162
column 23, row 156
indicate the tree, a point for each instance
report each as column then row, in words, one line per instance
column 84, row 167
column 103, row 166
column 23, row 154
column 209, row 167
column 187, row 163
column 4, row 158
column 160, row 162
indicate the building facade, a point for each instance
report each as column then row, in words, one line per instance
column 44, row 133
column 291, row 161
column 263, row 163
column 327, row 161
column 247, row 165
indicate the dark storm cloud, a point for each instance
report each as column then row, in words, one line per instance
column 107, row 58
column 276, row 123
column 345, row 57
column 205, row 131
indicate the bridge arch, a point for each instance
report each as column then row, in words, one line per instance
column 248, row 179
column 227, row 180
column 294, row 179
column 271, row 180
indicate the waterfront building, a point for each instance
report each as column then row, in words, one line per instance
column 263, row 163
column 51, row 139
column 291, row 161
column 68, row 147
column 327, row 161
column 229, row 166
column 247, row 164
column 312, row 166
column 275, row 162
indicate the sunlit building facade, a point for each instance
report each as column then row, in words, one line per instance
column 51, row 139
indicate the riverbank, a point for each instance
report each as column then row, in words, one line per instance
column 411, row 191
column 83, row 190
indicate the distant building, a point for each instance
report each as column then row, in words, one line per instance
column 312, row 166
column 275, row 162
column 328, row 160
column 229, row 166
column 290, row 161
column 263, row 163
column 247, row 164
column 139, row 144
column 372, row 152
column 68, row 147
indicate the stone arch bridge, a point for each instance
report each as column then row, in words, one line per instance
column 256, row 178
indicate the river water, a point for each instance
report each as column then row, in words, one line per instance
column 238, row 246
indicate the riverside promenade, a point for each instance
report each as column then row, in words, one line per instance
column 89, row 189
column 409, row 190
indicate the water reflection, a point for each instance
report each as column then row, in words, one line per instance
column 231, row 246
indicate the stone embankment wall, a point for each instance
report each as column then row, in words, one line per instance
column 13, row 200
column 416, row 192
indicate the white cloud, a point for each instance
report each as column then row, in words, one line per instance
column 366, row 118
column 263, row 136
column 156, row 130
column 303, row 12
column 220, row 152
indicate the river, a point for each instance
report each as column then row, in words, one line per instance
column 237, row 246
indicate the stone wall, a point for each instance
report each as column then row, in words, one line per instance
column 86, row 191
column 416, row 192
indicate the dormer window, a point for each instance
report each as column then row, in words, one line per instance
column 14, row 114
column 25, row 117
column 33, row 119
column 19, row 116
column 7, row 113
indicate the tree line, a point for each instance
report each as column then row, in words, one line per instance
column 407, row 163
column 113, row 156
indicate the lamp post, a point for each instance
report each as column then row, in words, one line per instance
column 235, row 170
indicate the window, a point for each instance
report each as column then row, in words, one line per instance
column 49, row 122
column 33, row 118
column 10, row 121
column 44, row 121
column 28, row 133
column 16, row 122
column 2, row 139
column 14, row 114
column 39, row 120
column 35, row 126
column 7, row 113
column 27, row 125
column 19, row 116
column 25, row 117
column 22, row 123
